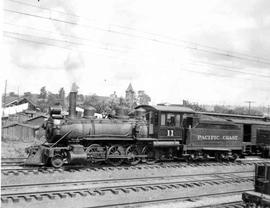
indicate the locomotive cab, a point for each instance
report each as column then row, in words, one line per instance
column 165, row 122
column 165, row 129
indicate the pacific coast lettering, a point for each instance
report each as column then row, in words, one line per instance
column 215, row 137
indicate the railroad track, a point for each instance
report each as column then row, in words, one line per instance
column 12, row 161
column 24, row 170
column 116, row 187
column 236, row 204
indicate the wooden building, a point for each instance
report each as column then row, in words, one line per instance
column 20, row 132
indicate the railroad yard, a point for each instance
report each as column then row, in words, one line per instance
column 207, row 184
column 135, row 104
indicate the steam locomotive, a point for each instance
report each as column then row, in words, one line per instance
column 153, row 133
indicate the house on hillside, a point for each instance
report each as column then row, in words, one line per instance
column 12, row 101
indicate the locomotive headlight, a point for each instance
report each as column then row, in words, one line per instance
column 56, row 121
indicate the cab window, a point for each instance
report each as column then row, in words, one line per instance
column 170, row 121
column 163, row 118
column 177, row 120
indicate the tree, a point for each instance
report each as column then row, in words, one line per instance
column 193, row 106
column 12, row 94
column 27, row 94
column 143, row 99
column 43, row 93
column 52, row 100
column 61, row 94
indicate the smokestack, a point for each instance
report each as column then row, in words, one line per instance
column 72, row 100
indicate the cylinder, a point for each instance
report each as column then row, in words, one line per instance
column 72, row 104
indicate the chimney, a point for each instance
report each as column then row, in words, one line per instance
column 72, row 101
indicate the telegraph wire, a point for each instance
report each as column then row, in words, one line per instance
column 225, row 68
column 86, row 51
column 59, row 40
column 142, row 37
column 225, row 52
column 67, row 35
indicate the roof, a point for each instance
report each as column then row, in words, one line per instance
column 130, row 88
column 16, row 100
column 39, row 116
column 9, row 99
column 165, row 108
column 250, row 121
column 231, row 115
column 22, row 124
column 212, row 119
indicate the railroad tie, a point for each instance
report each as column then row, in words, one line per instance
column 50, row 196
column 37, row 197
column 126, row 191
column 61, row 195
column 99, row 192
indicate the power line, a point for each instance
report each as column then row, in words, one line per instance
column 59, row 40
column 106, row 48
column 64, row 34
column 69, row 48
column 142, row 37
column 151, row 33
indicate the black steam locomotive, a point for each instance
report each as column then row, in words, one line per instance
column 153, row 133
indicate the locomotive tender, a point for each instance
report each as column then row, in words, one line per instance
column 255, row 131
column 155, row 133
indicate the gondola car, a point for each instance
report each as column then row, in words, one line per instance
column 260, row 197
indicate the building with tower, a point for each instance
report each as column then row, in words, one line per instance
column 130, row 96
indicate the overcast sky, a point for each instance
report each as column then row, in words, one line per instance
column 204, row 51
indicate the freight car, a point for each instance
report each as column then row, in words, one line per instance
column 260, row 197
column 155, row 133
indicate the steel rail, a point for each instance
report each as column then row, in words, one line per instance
column 183, row 184
column 174, row 199
column 218, row 174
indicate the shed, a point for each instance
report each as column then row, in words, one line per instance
column 38, row 120
column 19, row 131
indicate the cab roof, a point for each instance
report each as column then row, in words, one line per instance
column 167, row 108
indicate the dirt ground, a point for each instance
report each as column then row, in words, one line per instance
column 11, row 148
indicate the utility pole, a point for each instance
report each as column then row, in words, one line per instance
column 268, row 110
column 249, row 104
column 5, row 95
column 18, row 91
